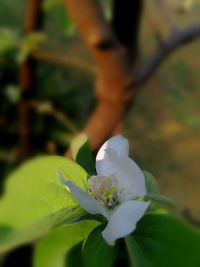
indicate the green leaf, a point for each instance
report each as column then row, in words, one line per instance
column 164, row 240
column 34, row 201
column 53, row 249
column 97, row 252
column 150, row 182
column 153, row 191
column 82, row 154
column 162, row 200
column 75, row 256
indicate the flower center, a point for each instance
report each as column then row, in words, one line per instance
column 104, row 189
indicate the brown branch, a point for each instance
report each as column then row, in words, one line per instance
column 116, row 79
column 26, row 81
column 114, row 86
column 176, row 40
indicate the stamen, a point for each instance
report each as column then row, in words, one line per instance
column 104, row 189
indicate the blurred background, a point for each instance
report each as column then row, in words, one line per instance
column 163, row 125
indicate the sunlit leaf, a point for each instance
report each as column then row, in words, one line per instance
column 34, row 201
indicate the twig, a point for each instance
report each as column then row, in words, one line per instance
column 176, row 40
column 48, row 108
column 65, row 60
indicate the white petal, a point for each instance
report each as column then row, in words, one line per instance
column 87, row 202
column 123, row 220
column 119, row 145
column 130, row 177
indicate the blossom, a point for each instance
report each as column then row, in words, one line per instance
column 115, row 191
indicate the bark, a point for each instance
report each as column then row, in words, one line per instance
column 115, row 79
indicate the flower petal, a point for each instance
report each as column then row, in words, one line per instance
column 123, row 220
column 119, row 145
column 130, row 177
column 90, row 204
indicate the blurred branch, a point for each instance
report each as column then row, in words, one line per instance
column 117, row 79
column 48, row 108
column 176, row 40
column 65, row 60
column 26, row 81
column 115, row 82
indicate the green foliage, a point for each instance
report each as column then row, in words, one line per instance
column 82, row 154
column 13, row 93
column 50, row 4
column 161, row 200
column 57, row 249
column 75, row 256
column 12, row 41
column 150, row 182
column 30, row 43
column 34, row 201
column 153, row 191
column 163, row 240
column 96, row 251
column 65, row 23
column 8, row 39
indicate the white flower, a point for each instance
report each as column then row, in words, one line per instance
column 119, row 182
